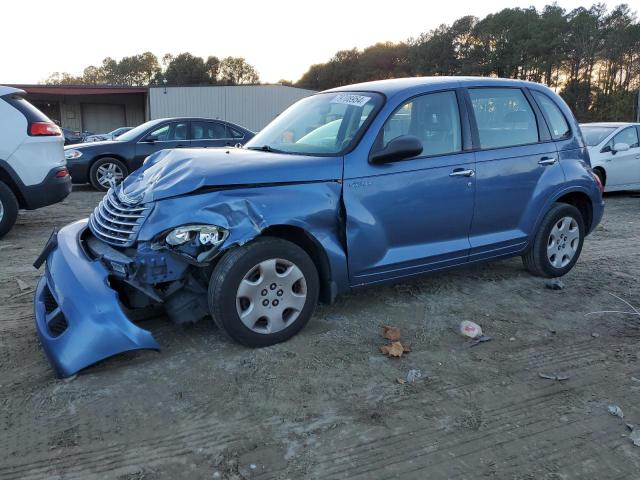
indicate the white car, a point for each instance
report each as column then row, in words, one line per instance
column 614, row 149
column 33, row 170
column 101, row 137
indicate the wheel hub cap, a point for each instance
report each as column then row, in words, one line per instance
column 109, row 174
column 563, row 242
column 271, row 296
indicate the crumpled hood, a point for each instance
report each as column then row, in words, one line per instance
column 170, row 173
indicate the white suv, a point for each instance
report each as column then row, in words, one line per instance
column 33, row 171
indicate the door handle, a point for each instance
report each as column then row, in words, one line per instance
column 460, row 172
column 544, row 161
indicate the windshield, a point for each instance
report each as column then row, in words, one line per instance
column 134, row 132
column 323, row 124
column 594, row 135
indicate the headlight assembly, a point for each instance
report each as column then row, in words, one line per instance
column 205, row 235
column 72, row 154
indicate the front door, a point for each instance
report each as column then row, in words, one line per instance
column 167, row 135
column 414, row 215
column 623, row 167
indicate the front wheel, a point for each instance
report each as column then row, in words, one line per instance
column 106, row 173
column 558, row 242
column 264, row 292
column 8, row 209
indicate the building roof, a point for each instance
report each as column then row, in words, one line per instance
column 80, row 89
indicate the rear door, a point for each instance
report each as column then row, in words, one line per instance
column 414, row 215
column 516, row 168
column 209, row 134
column 168, row 135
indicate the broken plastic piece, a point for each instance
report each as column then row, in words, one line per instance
column 554, row 284
column 553, row 376
column 616, row 411
column 470, row 329
column 413, row 375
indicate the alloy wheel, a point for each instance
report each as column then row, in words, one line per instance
column 109, row 175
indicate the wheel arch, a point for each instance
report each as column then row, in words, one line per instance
column 582, row 202
column 604, row 173
column 314, row 249
column 7, row 179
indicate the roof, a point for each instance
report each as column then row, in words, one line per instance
column 393, row 86
column 81, row 89
column 608, row 124
column 9, row 90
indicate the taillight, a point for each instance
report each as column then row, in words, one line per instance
column 38, row 129
column 62, row 173
column 596, row 178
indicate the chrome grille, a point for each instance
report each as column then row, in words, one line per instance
column 116, row 222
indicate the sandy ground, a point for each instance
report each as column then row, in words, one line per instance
column 326, row 405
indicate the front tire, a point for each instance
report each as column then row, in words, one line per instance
column 558, row 242
column 107, row 172
column 264, row 292
column 8, row 209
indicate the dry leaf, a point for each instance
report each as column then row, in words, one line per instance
column 401, row 381
column 385, row 349
column 396, row 349
column 391, row 333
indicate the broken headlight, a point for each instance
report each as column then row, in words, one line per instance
column 202, row 235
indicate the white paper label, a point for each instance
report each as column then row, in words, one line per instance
column 351, row 99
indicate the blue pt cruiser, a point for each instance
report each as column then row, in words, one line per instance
column 353, row 186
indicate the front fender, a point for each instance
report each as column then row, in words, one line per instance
column 247, row 212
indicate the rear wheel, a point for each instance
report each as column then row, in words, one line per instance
column 558, row 243
column 264, row 292
column 8, row 209
column 106, row 173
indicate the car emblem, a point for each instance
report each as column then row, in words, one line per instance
column 128, row 199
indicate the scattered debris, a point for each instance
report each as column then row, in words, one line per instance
column 479, row 340
column 595, row 335
column 401, row 381
column 634, row 310
column 470, row 329
column 616, row 411
column 413, row 375
column 252, row 466
column 554, row 284
column 512, row 339
column 553, row 376
column 22, row 285
column 635, row 437
column 391, row 333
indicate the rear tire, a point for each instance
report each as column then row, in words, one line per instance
column 8, row 209
column 106, row 169
column 264, row 292
column 558, row 242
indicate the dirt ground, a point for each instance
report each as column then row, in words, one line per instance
column 327, row 405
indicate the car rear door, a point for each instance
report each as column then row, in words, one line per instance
column 167, row 135
column 623, row 168
column 206, row 133
column 517, row 168
column 414, row 215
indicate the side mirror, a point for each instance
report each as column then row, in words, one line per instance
column 400, row 148
column 620, row 147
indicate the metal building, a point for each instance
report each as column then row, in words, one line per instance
column 251, row 106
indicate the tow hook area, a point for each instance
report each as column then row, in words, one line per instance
column 78, row 316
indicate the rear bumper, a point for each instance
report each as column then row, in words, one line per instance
column 78, row 317
column 52, row 190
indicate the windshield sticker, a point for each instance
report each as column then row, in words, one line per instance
column 351, row 99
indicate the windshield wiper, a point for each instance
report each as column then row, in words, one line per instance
column 266, row 148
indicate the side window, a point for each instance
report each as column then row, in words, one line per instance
column 504, row 117
column 433, row 118
column 160, row 134
column 628, row 135
column 233, row 133
column 179, row 131
column 207, row 131
column 558, row 124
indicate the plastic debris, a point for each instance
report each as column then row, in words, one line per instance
column 413, row 375
column 554, row 284
column 470, row 329
column 22, row 285
column 616, row 411
column 553, row 376
column 635, row 437
column 481, row 339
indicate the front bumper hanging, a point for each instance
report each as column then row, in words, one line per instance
column 78, row 317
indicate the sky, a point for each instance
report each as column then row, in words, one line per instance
column 281, row 39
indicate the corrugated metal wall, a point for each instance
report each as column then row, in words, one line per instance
column 251, row 106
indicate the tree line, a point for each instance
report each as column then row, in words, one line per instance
column 590, row 55
column 146, row 69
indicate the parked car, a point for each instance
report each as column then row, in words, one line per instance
column 33, row 173
column 71, row 137
column 104, row 164
column 101, row 137
column 614, row 149
column 423, row 174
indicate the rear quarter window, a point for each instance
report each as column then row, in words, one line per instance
column 31, row 113
column 557, row 123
